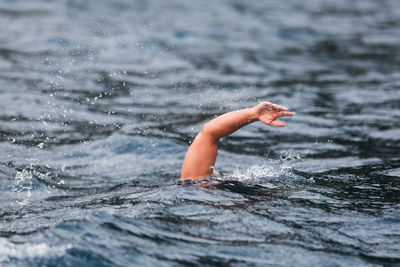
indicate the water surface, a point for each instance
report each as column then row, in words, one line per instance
column 99, row 101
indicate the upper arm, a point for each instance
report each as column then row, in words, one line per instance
column 200, row 157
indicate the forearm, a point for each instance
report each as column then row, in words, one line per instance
column 229, row 123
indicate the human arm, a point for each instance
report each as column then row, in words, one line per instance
column 202, row 153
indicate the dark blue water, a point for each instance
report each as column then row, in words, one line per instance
column 99, row 101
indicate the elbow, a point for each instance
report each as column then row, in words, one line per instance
column 208, row 132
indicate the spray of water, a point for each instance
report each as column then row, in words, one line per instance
column 264, row 172
column 24, row 183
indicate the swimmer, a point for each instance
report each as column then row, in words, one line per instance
column 201, row 156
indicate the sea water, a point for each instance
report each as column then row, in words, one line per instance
column 99, row 101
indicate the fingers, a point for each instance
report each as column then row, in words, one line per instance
column 278, row 123
column 286, row 113
column 281, row 108
column 271, row 106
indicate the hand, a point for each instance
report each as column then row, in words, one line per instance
column 268, row 113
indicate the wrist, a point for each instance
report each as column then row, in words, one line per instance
column 253, row 116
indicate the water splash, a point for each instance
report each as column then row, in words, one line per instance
column 265, row 171
column 23, row 185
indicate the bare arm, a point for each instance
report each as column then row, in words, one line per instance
column 202, row 153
